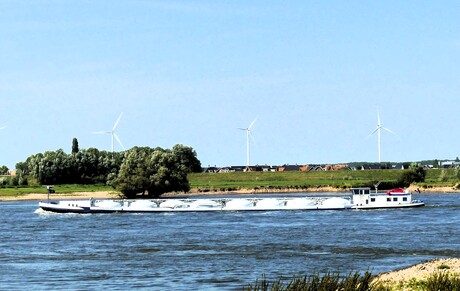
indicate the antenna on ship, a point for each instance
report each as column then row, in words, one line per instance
column 50, row 191
column 376, row 185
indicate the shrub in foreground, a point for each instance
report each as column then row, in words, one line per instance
column 354, row 281
column 443, row 281
column 328, row 281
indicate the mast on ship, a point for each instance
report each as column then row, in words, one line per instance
column 377, row 186
column 50, row 191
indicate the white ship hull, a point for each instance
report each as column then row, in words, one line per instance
column 196, row 205
column 364, row 198
column 361, row 198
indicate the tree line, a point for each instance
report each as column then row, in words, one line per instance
column 140, row 170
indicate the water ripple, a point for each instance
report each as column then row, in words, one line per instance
column 215, row 251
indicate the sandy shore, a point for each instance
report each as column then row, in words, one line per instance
column 413, row 189
column 58, row 196
column 421, row 271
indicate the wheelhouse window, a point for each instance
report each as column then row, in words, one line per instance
column 372, row 199
column 395, row 199
column 388, row 199
column 404, row 198
column 361, row 191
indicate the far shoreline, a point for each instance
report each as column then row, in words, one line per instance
column 205, row 192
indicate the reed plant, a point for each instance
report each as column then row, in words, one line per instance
column 443, row 281
column 316, row 282
column 439, row 281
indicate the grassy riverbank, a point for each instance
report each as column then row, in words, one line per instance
column 437, row 180
column 311, row 181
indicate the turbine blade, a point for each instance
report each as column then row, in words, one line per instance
column 377, row 129
column 252, row 123
column 389, row 130
column 116, row 123
column 118, row 140
column 102, row 132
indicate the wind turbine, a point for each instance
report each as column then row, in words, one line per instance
column 114, row 135
column 378, row 130
column 248, row 148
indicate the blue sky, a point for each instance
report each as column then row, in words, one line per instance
column 313, row 73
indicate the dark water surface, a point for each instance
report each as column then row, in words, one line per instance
column 215, row 250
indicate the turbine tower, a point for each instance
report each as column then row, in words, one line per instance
column 248, row 146
column 113, row 134
column 378, row 130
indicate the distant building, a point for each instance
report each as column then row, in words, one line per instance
column 305, row 168
column 449, row 164
column 267, row 168
column 340, row 167
column 400, row 166
column 211, row 170
column 286, row 168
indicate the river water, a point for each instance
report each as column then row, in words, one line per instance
column 216, row 250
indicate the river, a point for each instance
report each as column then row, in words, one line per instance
column 216, row 250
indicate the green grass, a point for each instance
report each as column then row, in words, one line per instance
column 251, row 180
column 63, row 189
column 437, row 281
column 314, row 179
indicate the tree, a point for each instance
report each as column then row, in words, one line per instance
column 153, row 172
column 415, row 173
column 75, row 146
column 187, row 156
column 168, row 174
column 420, row 172
column 54, row 168
column 3, row 170
column 139, row 170
column 133, row 177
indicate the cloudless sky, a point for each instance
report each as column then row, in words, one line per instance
column 313, row 73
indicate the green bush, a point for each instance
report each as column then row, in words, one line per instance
column 443, row 176
column 443, row 281
column 443, row 267
column 328, row 281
